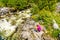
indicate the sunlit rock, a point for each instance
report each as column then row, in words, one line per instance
column 26, row 35
column 6, row 28
column 55, row 25
column 4, row 10
column 24, row 26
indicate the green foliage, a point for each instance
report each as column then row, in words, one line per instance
column 34, row 9
column 2, row 4
column 47, row 19
column 49, row 4
column 55, row 33
column 19, row 4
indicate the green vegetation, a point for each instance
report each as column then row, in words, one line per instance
column 19, row 4
column 47, row 20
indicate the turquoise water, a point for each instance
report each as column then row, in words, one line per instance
column 1, row 38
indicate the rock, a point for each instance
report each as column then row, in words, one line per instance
column 4, row 10
column 48, row 38
column 55, row 25
column 6, row 28
column 25, row 11
column 28, row 11
column 26, row 35
column 58, row 7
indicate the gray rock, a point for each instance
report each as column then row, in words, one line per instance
column 4, row 10
column 26, row 35
column 29, row 32
column 58, row 7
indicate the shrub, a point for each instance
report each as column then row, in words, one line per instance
column 44, row 3
column 19, row 4
column 47, row 19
